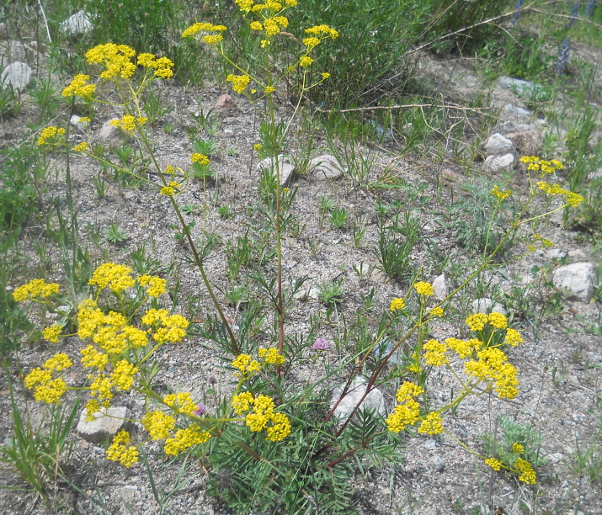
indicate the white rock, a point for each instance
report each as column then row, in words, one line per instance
column 108, row 132
column 76, row 122
column 485, row 305
column 438, row 462
column 374, row 400
column 77, row 24
column 522, row 87
column 556, row 254
column 498, row 145
column 497, row 163
column 16, row 75
column 441, row 287
column 286, row 170
column 106, row 424
column 516, row 110
column 326, row 167
column 578, row 279
column 555, row 458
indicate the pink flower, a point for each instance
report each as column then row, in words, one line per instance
column 200, row 409
column 320, row 344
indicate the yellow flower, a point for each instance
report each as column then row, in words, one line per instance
column 168, row 191
column 498, row 320
column 404, row 415
column 79, row 87
column 34, row 290
column 199, row 158
column 477, row 321
column 269, row 89
column 432, row 425
column 501, row 195
column 513, row 337
column 256, row 26
column 242, row 402
column 461, row 347
column 323, row 30
column 91, row 358
column 397, row 304
column 119, row 451
column 82, row 147
column 493, row 463
column 437, row 312
column 325, row 76
column 239, row 82
column 50, row 135
column 52, row 333
column 181, row 403
column 311, row 43
column 123, row 375
column 257, row 147
column 116, row 60
column 58, row 362
column 280, row 429
column 271, row 356
column 116, row 277
column 435, row 354
column 423, row 288
column 129, row 123
column 184, row 439
column 517, row 447
column 305, row 61
column 156, row 285
column 158, row 424
column 407, row 391
column 527, row 475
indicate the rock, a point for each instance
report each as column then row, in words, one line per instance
column 16, row 75
column 527, row 143
column 225, row 102
column 485, row 305
column 286, row 170
column 555, row 458
column 78, row 23
column 577, row 255
column 574, row 512
column 497, row 145
column 76, row 122
column 326, row 167
column 497, row 163
column 438, row 462
column 108, row 132
column 516, row 110
column 519, row 86
column 556, row 254
column 441, row 287
column 449, row 176
column 430, row 444
column 373, row 401
column 578, row 279
column 106, row 424
column 381, row 133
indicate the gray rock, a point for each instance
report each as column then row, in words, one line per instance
column 286, row 170
column 374, row 400
column 441, row 287
column 78, row 23
column 556, row 254
column 431, row 444
column 578, row 279
column 497, row 163
column 108, row 132
column 485, row 305
column 497, row 145
column 438, row 462
column 76, row 122
column 555, row 458
column 326, row 167
column 106, row 424
column 527, row 143
column 516, row 110
column 16, row 75
column 521, row 87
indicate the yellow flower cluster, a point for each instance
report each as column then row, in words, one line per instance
column 171, row 329
column 199, row 158
column 262, row 416
column 493, row 463
column 129, row 123
column 435, row 353
column 527, row 474
column 35, row 289
column 574, row 199
column 248, row 366
column 50, row 135
column 500, row 194
column 397, row 304
column 155, row 286
column 158, row 424
column 119, row 450
column 81, row 147
column 239, row 82
column 517, row 447
column 432, row 424
column 45, row 383
column 184, row 439
column 52, row 333
column 437, row 312
column 423, row 288
column 477, row 321
column 116, row 60
column 407, row 412
column 534, row 164
column 162, row 67
column 181, row 403
column 169, row 191
column 116, row 277
column 79, row 87
column 210, row 39
column 493, row 367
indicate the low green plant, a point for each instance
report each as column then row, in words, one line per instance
column 155, row 107
column 225, row 212
column 115, row 234
column 331, row 293
column 209, row 120
column 587, row 459
column 395, row 245
column 191, row 209
column 44, row 94
column 10, row 102
column 36, row 453
column 338, row 218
